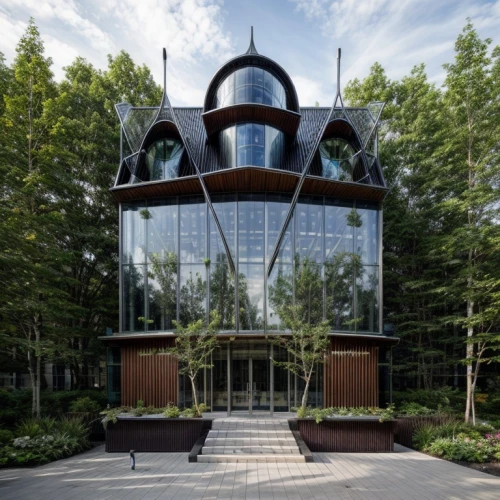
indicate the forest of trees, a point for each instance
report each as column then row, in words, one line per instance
column 59, row 153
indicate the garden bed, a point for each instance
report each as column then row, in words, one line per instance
column 153, row 433
column 346, row 434
column 405, row 427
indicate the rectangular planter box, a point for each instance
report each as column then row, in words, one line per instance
column 348, row 435
column 406, row 426
column 149, row 434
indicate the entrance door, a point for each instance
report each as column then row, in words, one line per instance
column 251, row 380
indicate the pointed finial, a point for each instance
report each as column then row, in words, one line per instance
column 164, row 70
column 251, row 47
column 338, row 96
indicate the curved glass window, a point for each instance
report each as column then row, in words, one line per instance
column 163, row 159
column 252, row 144
column 337, row 159
column 251, row 85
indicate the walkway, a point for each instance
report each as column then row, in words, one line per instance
column 403, row 475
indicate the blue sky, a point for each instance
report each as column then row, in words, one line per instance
column 301, row 35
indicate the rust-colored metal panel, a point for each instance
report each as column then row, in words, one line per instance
column 154, row 434
column 351, row 373
column 348, row 435
column 152, row 378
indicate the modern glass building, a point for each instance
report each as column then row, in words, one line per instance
column 238, row 207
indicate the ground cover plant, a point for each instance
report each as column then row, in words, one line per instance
column 39, row 441
column 319, row 414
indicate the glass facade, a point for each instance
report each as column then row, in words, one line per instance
column 252, row 144
column 251, row 85
column 174, row 266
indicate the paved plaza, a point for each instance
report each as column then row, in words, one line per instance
column 402, row 475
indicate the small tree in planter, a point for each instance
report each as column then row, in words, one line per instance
column 306, row 346
column 308, row 337
column 193, row 346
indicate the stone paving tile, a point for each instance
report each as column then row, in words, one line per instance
column 403, row 475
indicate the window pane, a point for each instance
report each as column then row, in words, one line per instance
column 339, row 235
column 251, row 296
column 251, row 228
column 133, row 299
column 340, row 271
column 277, row 208
column 225, row 208
column 162, row 290
column 133, row 233
column 222, row 294
column 193, row 293
column 308, row 289
column 367, row 299
column 162, row 229
column 309, row 216
column 367, row 234
column 279, row 294
column 192, row 237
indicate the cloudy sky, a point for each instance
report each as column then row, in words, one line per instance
column 301, row 35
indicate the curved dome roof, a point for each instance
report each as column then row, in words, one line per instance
column 254, row 59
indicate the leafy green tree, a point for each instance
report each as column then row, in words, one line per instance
column 470, row 160
column 192, row 299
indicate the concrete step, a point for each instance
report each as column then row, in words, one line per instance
column 252, row 441
column 252, row 458
column 249, row 432
column 262, row 450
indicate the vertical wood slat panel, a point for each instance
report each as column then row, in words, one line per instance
column 152, row 378
column 354, row 378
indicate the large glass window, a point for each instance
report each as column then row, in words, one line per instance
column 163, row 159
column 251, row 85
column 175, row 267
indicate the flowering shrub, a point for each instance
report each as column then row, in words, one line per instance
column 459, row 442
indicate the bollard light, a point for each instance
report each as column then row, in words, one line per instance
column 132, row 459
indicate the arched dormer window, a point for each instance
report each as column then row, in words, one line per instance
column 163, row 159
column 338, row 159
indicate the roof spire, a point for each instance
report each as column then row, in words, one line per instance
column 338, row 97
column 251, row 47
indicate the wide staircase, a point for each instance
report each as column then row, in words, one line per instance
column 248, row 440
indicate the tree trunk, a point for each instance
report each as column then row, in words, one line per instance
column 469, row 354
column 195, row 397
column 306, row 393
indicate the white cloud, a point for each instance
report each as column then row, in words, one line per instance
column 399, row 34
column 311, row 91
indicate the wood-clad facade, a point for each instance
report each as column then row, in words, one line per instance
column 222, row 208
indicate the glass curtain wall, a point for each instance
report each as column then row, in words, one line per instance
column 174, row 266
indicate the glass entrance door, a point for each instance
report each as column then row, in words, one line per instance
column 251, row 377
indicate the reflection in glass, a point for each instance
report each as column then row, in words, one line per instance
column 338, row 159
column 162, row 287
column 163, row 159
column 251, row 296
column 219, row 378
column 251, row 85
column 277, row 208
column 225, row 208
column 222, row 293
column 341, row 270
column 309, row 223
column 339, row 235
column 133, row 237
column 308, row 290
column 251, row 228
column 367, row 300
column 192, row 231
column 161, row 228
column 367, row 234
column 133, row 299
column 193, row 293
column 250, row 144
column 280, row 294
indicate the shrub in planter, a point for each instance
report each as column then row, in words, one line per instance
column 462, row 449
column 172, row 411
column 413, row 409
